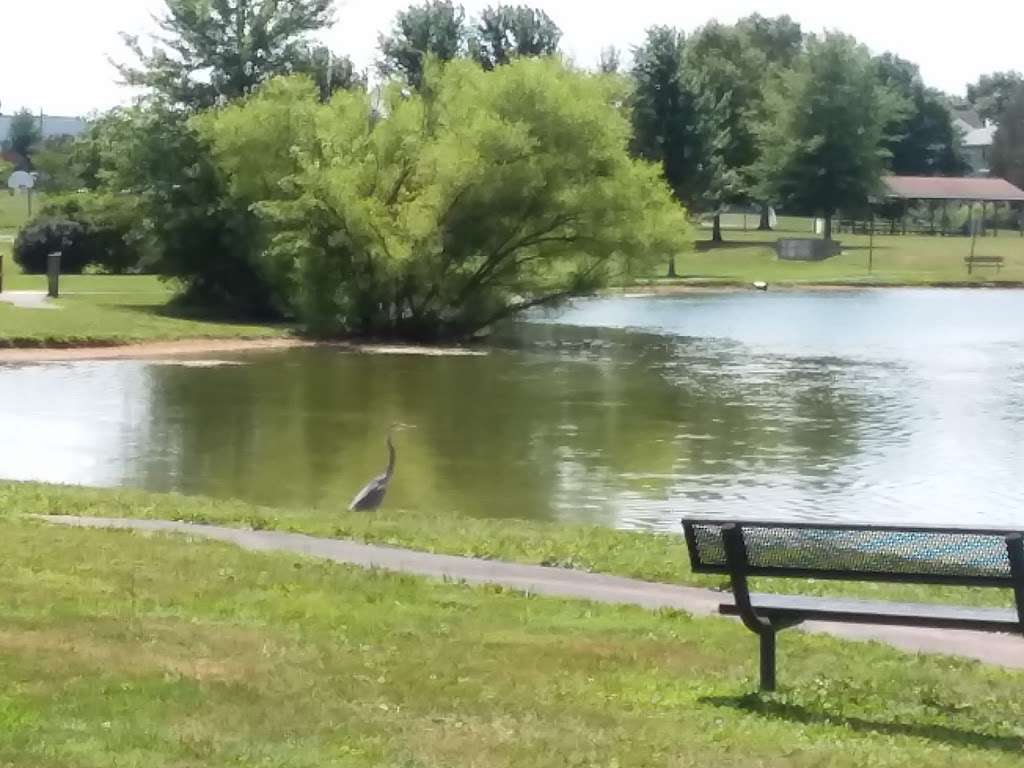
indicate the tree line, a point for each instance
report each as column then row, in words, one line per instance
column 486, row 174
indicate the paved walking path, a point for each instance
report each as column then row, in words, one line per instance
column 1004, row 650
column 28, row 299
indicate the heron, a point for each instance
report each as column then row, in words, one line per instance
column 372, row 494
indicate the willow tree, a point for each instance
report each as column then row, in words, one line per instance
column 479, row 196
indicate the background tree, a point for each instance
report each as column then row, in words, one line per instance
column 55, row 162
column 482, row 194
column 212, row 51
column 24, row 133
column 1008, row 149
column 779, row 39
column 434, row 29
column 823, row 147
column 506, row 32
column 330, row 72
column 664, row 113
column 610, row 62
column 724, row 73
column 992, row 93
column 922, row 140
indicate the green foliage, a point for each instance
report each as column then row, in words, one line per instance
column 665, row 111
column 55, row 160
column 823, row 146
column 1008, row 148
column 24, row 133
column 779, row 39
column 507, row 32
column 37, row 240
column 482, row 195
column 992, row 93
column 433, row 30
column 923, row 140
column 212, row 50
column 113, row 235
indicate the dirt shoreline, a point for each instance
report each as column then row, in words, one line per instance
column 148, row 350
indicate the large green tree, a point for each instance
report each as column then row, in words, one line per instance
column 434, row 29
column 664, row 113
column 823, row 147
column 507, row 32
column 1008, row 148
column 24, row 133
column 992, row 93
column 779, row 39
column 724, row 73
column 210, row 51
column 479, row 196
column 922, row 139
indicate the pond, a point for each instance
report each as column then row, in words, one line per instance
column 857, row 405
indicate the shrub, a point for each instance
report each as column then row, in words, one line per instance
column 44, row 236
column 113, row 235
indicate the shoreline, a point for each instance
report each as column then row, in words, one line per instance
column 735, row 286
column 155, row 350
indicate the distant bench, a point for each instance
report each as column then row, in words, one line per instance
column 950, row 556
column 984, row 261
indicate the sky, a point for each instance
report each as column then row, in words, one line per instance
column 54, row 54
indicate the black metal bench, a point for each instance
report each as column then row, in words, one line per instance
column 922, row 555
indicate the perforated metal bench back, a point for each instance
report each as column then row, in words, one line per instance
column 862, row 553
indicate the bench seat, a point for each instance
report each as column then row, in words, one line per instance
column 788, row 608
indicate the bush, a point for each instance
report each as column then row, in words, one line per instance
column 44, row 236
column 113, row 235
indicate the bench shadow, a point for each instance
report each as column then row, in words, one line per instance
column 755, row 704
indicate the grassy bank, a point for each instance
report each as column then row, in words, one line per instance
column 121, row 649
column 107, row 309
column 648, row 556
column 898, row 260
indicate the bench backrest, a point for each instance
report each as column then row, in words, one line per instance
column 965, row 557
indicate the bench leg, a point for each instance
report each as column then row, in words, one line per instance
column 767, row 660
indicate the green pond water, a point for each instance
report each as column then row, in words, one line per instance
column 627, row 412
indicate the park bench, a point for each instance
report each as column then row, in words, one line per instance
column 984, row 261
column 974, row 557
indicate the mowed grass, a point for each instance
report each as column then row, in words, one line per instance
column 897, row 260
column 648, row 556
column 108, row 309
column 14, row 209
column 121, row 649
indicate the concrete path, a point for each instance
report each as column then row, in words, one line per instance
column 1004, row 650
column 28, row 299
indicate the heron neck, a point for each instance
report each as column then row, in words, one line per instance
column 391, row 459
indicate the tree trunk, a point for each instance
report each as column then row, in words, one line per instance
column 672, row 267
column 828, row 226
column 766, row 219
column 716, row 229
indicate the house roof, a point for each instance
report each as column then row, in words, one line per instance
column 980, row 137
column 940, row 188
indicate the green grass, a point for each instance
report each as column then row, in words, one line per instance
column 14, row 209
column 648, row 556
column 898, row 260
column 107, row 309
column 129, row 650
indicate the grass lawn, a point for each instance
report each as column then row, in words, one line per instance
column 14, row 209
column 648, row 556
column 122, row 649
column 106, row 309
column 898, row 260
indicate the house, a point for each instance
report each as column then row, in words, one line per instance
column 978, row 137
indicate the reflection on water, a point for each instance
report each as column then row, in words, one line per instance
column 629, row 412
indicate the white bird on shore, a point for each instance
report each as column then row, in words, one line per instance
column 760, row 285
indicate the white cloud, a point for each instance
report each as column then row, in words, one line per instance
column 55, row 52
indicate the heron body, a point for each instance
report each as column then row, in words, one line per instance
column 372, row 494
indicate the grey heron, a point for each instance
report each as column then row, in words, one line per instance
column 372, row 494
